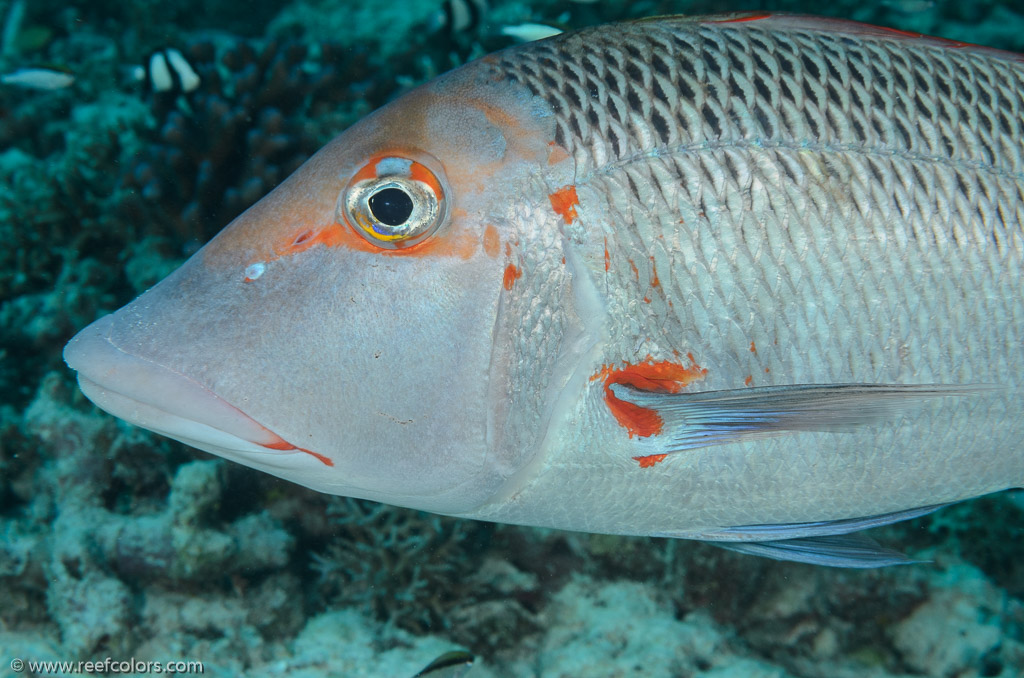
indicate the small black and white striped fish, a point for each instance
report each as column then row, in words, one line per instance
column 462, row 16
column 167, row 70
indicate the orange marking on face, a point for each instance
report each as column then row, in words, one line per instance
column 367, row 171
column 563, row 261
column 512, row 274
column 492, row 243
column 636, row 271
column 753, row 349
column 417, row 171
column 749, row 380
column 647, row 300
column 654, row 274
column 607, row 258
column 497, row 115
column 556, row 153
column 650, row 460
column 564, row 202
column 420, row 173
column 331, row 236
column 655, row 377
column 766, row 370
column 462, row 245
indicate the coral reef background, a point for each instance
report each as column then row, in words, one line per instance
column 117, row 543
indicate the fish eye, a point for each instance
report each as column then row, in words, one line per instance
column 393, row 202
column 391, row 205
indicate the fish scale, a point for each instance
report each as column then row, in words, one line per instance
column 691, row 83
column 832, row 197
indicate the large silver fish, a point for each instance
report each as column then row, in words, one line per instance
column 751, row 279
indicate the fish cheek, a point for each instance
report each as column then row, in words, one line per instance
column 400, row 369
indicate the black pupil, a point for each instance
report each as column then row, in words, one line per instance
column 392, row 206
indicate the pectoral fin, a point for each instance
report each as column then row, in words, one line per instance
column 692, row 420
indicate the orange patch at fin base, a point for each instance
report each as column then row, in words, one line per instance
column 654, row 377
column 650, row 460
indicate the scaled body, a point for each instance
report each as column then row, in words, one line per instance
column 737, row 278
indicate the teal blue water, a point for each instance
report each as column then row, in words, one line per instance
column 123, row 548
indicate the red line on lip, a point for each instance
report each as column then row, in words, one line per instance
column 276, row 441
column 282, row 444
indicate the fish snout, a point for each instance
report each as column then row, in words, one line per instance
column 151, row 395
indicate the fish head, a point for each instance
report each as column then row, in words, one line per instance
column 341, row 332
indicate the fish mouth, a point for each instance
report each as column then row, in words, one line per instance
column 158, row 398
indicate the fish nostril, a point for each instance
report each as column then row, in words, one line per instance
column 254, row 271
column 302, row 238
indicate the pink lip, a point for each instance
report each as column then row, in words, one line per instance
column 158, row 398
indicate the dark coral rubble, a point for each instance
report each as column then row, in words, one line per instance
column 262, row 109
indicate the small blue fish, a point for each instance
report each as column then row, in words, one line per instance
column 529, row 32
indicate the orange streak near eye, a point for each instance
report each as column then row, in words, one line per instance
column 420, row 173
column 368, row 171
column 461, row 245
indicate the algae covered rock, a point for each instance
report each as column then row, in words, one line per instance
column 955, row 629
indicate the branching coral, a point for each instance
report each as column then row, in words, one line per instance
column 407, row 567
column 248, row 126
